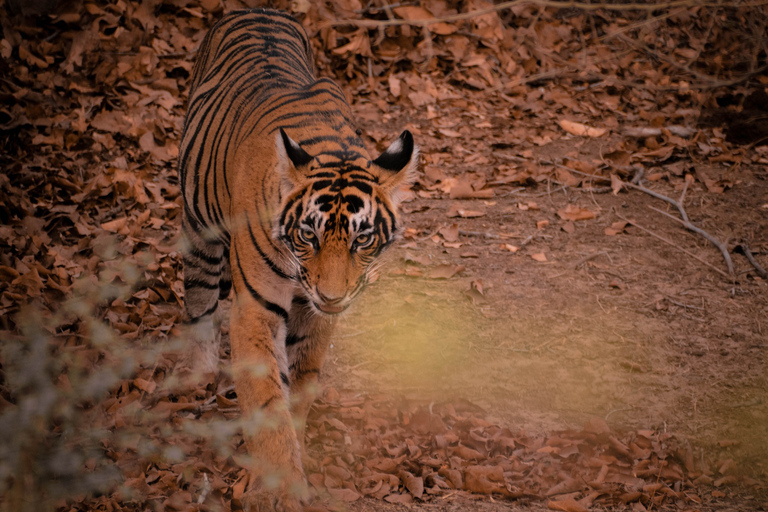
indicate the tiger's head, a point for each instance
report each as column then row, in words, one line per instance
column 338, row 212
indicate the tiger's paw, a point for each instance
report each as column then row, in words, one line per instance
column 271, row 501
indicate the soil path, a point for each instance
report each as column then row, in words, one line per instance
column 625, row 328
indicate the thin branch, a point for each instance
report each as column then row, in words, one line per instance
column 681, row 304
column 480, row 234
column 587, row 258
column 582, row 173
column 685, row 221
column 177, row 55
column 710, row 81
column 743, row 248
column 651, row 6
column 669, row 242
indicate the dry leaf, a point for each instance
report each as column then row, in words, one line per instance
column 574, row 213
column 414, row 484
column 450, row 233
column 616, row 184
column 420, row 259
column 575, row 128
column 347, row 495
column 463, row 190
column 403, row 499
column 485, row 479
column 445, row 271
column 568, row 505
column 458, row 211
column 616, row 228
column 539, row 256
column 565, row 177
column 114, row 226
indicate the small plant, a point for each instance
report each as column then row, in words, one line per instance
column 52, row 445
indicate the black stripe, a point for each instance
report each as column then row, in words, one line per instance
column 191, row 282
column 270, row 306
column 285, row 379
column 197, row 253
column 210, row 273
column 225, row 286
column 324, row 174
column 209, row 311
column 323, row 138
column 293, row 339
column 271, row 264
column 364, row 187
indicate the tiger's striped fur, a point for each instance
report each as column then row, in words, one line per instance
column 283, row 204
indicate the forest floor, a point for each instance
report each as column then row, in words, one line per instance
column 543, row 336
column 621, row 327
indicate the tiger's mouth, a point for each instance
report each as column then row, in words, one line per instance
column 331, row 309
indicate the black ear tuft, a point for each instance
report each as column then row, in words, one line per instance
column 398, row 154
column 298, row 156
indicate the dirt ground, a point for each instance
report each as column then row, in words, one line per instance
column 625, row 327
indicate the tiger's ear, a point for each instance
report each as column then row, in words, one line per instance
column 292, row 160
column 399, row 163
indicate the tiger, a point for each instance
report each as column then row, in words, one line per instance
column 283, row 207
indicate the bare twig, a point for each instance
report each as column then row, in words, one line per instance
column 480, row 234
column 582, row 173
column 685, row 221
column 512, row 192
column 177, row 55
column 647, row 131
column 669, row 242
column 427, row 237
column 525, row 242
column 594, row 190
column 631, row 6
column 682, row 305
column 743, row 248
column 710, row 81
column 591, row 190
column 587, row 258
column 550, row 192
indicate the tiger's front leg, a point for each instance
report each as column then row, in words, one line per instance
column 277, row 480
column 309, row 335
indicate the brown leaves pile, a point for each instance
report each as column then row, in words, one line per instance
column 405, row 452
column 90, row 127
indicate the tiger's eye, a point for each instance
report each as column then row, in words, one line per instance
column 362, row 239
column 307, row 235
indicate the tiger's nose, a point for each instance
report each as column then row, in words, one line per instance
column 330, row 299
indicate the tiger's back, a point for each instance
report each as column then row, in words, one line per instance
column 248, row 80
column 283, row 204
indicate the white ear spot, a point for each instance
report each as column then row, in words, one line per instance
column 395, row 147
column 398, row 154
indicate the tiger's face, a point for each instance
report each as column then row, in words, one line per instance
column 337, row 216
